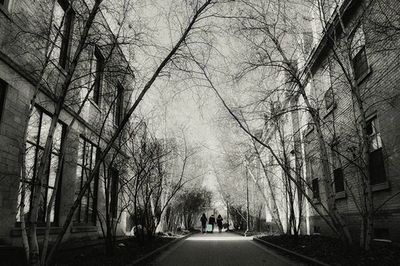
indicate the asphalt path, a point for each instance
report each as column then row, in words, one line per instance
column 219, row 249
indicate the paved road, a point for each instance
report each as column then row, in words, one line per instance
column 220, row 249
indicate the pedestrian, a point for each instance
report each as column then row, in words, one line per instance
column 219, row 222
column 211, row 221
column 203, row 220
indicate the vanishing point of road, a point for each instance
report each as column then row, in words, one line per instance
column 221, row 249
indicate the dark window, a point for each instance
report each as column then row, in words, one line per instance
column 329, row 99
column 377, row 167
column 315, row 188
column 338, row 179
column 360, row 64
column 63, row 24
column 86, row 212
column 98, row 67
column 376, row 164
column 114, row 175
column 119, row 105
column 4, row 4
column 311, row 173
column 3, row 87
column 38, row 128
column 381, row 233
column 338, row 175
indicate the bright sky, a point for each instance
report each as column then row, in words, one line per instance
column 174, row 105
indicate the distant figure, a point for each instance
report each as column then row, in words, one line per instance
column 219, row 222
column 203, row 220
column 211, row 221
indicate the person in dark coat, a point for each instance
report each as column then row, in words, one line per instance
column 203, row 220
column 211, row 221
column 219, row 222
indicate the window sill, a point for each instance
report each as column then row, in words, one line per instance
column 330, row 110
column 83, row 228
column 95, row 105
column 364, row 76
column 309, row 130
column 5, row 11
column 382, row 186
column 340, row 195
column 59, row 68
column 17, row 232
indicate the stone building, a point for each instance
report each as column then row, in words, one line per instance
column 38, row 53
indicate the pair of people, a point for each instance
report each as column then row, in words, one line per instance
column 211, row 222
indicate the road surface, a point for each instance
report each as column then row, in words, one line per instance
column 219, row 249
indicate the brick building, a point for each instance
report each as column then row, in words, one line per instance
column 372, row 47
column 95, row 101
column 354, row 41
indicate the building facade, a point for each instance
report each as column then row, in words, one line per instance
column 49, row 54
column 357, row 50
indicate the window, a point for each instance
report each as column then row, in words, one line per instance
column 3, row 87
column 38, row 128
column 338, row 179
column 376, row 163
column 86, row 212
column 114, row 175
column 98, row 68
column 329, row 99
column 360, row 64
column 338, row 175
column 62, row 32
column 119, row 105
column 315, row 188
column 359, row 55
column 381, row 233
column 5, row 5
column 314, row 180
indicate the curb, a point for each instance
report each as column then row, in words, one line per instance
column 149, row 256
column 298, row 255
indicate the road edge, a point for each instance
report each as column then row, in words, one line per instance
column 150, row 256
column 298, row 255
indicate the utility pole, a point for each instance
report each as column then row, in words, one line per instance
column 247, row 201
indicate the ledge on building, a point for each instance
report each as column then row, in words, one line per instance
column 381, row 186
column 83, row 228
column 340, row 195
column 17, row 232
column 364, row 76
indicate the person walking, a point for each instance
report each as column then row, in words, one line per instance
column 211, row 221
column 219, row 222
column 203, row 221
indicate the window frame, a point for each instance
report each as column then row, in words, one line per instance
column 337, row 168
column 119, row 105
column 92, row 220
column 41, row 111
column 114, row 174
column 6, row 6
column 315, row 189
column 65, row 33
column 360, row 64
column 3, row 95
column 314, row 180
column 332, row 103
column 98, row 76
column 375, row 138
